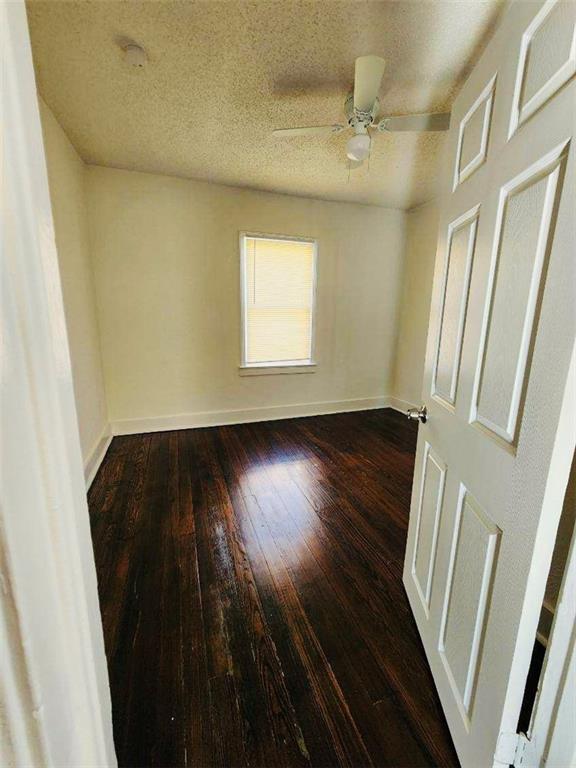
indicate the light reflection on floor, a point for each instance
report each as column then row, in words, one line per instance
column 284, row 511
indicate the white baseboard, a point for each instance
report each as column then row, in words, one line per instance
column 92, row 463
column 221, row 418
column 400, row 405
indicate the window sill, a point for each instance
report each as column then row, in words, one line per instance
column 272, row 370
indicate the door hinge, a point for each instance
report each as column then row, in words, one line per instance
column 515, row 749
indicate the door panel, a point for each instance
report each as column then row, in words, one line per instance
column 547, row 59
column 489, row 463
column 528, row 207
column 472, row 563
column 474, row 134
column 549, row 49
column 457, row 271
column 429, row 511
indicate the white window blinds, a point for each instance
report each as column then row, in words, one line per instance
column 278, row 284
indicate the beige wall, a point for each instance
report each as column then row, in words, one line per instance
column 161, row 255
column 166, row 265
column 66, row 175
column 422, row 231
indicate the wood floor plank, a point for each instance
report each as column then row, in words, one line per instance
column 195, row 697
column 372, row 592
column 271, row 734
column 251, row 594
column 356, row 593
column 260, row 500
column 136, row 694
column 300, row 671
column 118, row 495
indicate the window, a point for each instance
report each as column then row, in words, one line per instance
column 278, row 276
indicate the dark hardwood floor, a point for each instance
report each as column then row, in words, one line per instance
column 252, row 601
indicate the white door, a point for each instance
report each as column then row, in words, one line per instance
column 494, row 456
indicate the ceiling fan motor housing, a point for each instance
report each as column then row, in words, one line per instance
column 355, row 117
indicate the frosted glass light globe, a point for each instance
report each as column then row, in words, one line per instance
column 358, row 147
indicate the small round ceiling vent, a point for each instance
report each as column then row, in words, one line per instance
column 135, row 56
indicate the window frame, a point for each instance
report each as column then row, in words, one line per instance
column 283, row 366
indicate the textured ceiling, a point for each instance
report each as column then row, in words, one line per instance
column 222, row 75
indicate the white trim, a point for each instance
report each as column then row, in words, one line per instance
column 554, row 495
column 96, row 455
column 58, row 710
column 397, row 404
column 265, row 369
column 243, row 235
column 555, row 706
column 243, row 416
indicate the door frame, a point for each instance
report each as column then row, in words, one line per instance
column 557, row 483
column 55, row 698
column 551, row 736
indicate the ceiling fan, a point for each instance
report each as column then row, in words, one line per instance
column 361, row 109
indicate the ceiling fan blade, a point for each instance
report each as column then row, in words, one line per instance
column 308, row 131
column 431, row 122
column 367, row 78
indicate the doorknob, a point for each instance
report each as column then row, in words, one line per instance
column 418, row 414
